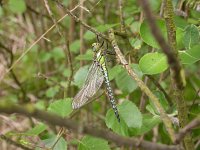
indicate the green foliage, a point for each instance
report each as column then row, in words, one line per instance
column 90, row 143
column 80, row 75
column 147, row 36
column 52, row 91
column 36, row 130
column 61, row 107
column 153, row 63
column 87, row 56
column 130, row 117
column 148, row 123
column 191, row 36
column 17, row 6
column 75, row 46
column 60, row 145
column 130, row 114
column 23, row 22
column 124, row 81
column 190, row 56
column 101, row 28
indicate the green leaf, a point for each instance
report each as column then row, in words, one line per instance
column 180, row 22
column 191, row 36
column 90, row 143
column 17, row 6
column 179, row 38
column 129, row 112
column 147, row 36
column 113, row 72
column 87, row 56
column 105, row 27
column 101, row 28
column 162, row 101
column 153, row 63
column 57, row 53
column 80, row 75
column 60, row 145
column 52, row 91
column 89, row 35
column 44, row 56
column 125, row 82
column 61, row 107
column 136, row 43
column 112, row 123
column 40, row 105
column 190, row 56
column 155, row 5
column 148, row 123
column 75, row 46
column 36, row 130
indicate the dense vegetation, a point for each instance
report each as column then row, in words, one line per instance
column 153, row 53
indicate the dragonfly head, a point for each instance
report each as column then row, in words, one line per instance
column 95, row 47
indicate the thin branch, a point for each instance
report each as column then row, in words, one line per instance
column 42, row 36
column 69, row 58
column 66, row 48
column 172, row 60
column 182, row 133
column 81, row 32
column 83, row 23
column 157, row 84
column 15, row 78
column 31, row 111
column 142, row 86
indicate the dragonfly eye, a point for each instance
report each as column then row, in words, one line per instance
column 95, row 47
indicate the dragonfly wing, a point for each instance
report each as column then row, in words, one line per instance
column 92, row 84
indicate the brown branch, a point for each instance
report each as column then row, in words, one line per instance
column 15, row 78
column 178, row 86
column 157, row 84
column 142, row 86
column 10, row 141
column 122, row 22
column 81, row 34
column 83, row 23
column 31, row 111
column 172, row 60
column 184, row 131
column 66, row 48
column 69, row 58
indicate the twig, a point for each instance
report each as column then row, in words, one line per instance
column 66, row 48
column 81, row 32
column 69, row 58
column 30, row 110
column 172, row 60
column 10, row 141
column 182, row 133
column 86, row 25
column 42, row 36
column 142, row 86
column 157, row 84
column 15, row 78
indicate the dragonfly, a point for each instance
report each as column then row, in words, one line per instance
column 97, row 74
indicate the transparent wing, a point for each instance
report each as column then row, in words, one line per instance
column 92, row 84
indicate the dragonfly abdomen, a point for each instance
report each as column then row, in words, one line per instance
column 110, row 92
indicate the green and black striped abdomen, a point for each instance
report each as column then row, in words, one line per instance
column 109, row 90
